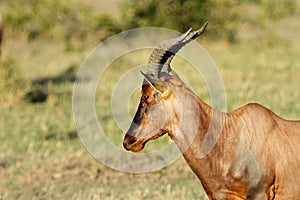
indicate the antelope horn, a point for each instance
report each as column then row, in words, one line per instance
column 164, row 52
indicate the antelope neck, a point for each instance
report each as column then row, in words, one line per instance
column 194, row 117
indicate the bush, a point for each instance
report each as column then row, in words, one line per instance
column 225, row 15
column 276, row 9
column 75, row 22
column 181, row 15
column 174, row 14
column 59, row 20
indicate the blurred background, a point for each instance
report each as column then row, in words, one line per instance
column 254, row 43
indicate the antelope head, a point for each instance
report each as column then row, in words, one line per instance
column 158, row 108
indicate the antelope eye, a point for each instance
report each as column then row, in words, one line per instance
column 145, row 97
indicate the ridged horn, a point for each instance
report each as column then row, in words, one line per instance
column 164, row 52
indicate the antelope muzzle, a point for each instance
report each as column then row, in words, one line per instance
column 131, row 143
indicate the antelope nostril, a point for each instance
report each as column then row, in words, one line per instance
column 132, row 140
column 129, row 140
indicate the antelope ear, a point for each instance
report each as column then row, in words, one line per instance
column 157, row 84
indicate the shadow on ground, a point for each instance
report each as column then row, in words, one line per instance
column 39, row 90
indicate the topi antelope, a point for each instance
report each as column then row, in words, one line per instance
column 250, row 153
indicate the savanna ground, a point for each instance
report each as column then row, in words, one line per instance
column 41, row 156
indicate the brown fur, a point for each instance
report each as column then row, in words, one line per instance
column 250, row 153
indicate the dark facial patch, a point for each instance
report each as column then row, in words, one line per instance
column 145, row 101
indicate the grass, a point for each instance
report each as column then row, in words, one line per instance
column 41, row 156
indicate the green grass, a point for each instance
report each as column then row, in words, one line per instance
column 41, row 156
